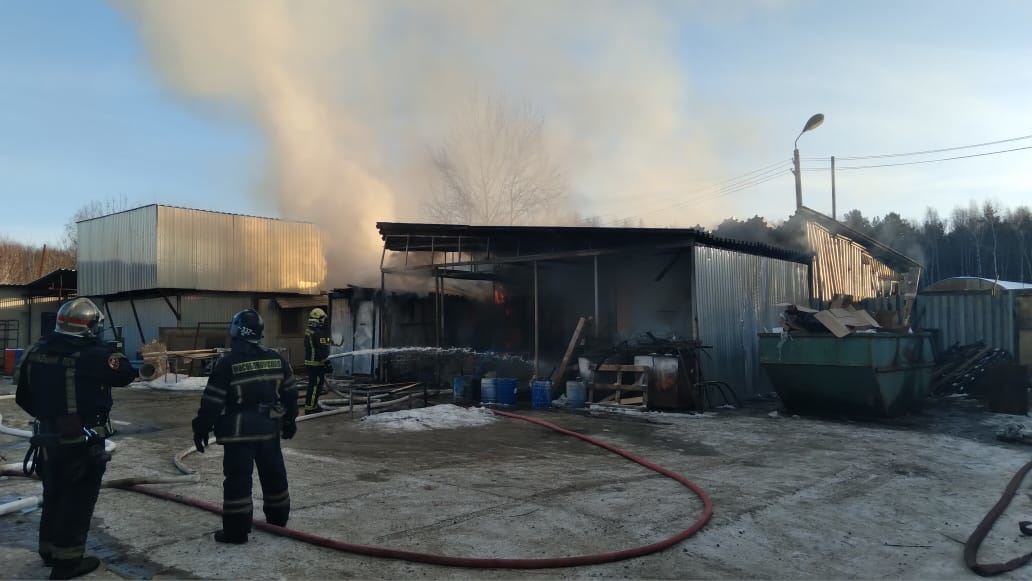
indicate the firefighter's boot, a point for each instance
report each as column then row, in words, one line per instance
column 72, row 568
column 222, row 537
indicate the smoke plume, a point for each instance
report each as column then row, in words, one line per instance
column 350, row 97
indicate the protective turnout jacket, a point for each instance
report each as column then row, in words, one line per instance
column 250, row 393
column 65, row 382
column 317, row 346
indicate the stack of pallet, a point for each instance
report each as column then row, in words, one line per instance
column 620, row 385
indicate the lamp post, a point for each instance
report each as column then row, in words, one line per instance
column 813, row 123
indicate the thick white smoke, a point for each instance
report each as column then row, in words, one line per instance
column 351, row 95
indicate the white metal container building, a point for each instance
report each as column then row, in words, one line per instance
column 178, row 275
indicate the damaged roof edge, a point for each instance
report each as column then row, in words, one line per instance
column 879, row 250
column 416, row 237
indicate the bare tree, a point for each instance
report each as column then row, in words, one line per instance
column 93, row 209
column 496, row 169
column 21, row 263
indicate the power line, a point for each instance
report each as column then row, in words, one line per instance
column 933, row 160
column 746, row 177
column 926, row 152
column 720, row 192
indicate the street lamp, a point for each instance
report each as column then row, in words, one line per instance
column 813, row 123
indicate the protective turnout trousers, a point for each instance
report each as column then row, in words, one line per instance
column 237, row 465
column 316, row 382
column 71, row 476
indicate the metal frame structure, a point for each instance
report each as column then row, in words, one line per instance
column 466, row 252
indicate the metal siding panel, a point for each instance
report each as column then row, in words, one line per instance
column 972, row 317
column 153, row 313
column 168, row 247
column 229, row 252
column 735, row 296
column 342, row 334
column 118, row 252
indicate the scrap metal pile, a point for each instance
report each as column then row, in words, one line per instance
column 960, row 367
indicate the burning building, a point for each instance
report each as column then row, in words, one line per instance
column 523, row 290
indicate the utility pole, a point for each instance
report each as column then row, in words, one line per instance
column 833, row 187
column 811, row 123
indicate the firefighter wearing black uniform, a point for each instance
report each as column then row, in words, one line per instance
column 250, row 401
column 317, row 350
column 65, row 381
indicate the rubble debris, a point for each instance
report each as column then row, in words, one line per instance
column 960, row 368
column 1017, row 433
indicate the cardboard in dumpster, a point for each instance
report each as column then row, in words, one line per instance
column 839, row 320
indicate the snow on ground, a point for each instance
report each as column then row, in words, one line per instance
column 442, row 416
column 173, row 382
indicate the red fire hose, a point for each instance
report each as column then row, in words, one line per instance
column 483, row 563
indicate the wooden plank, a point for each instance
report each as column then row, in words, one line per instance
column 623, row 368
column 617, row 386
column 632, row 400
column 560, row 374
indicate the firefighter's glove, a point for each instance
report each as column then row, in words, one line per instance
column 289, row 429
column 200, row 435
column 328, row 364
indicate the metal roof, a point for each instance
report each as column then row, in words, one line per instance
column 975, row 284
column 57, row 283
column 534, row 240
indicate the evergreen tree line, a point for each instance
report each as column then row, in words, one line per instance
column 983, row 240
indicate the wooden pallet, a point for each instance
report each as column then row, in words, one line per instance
column 629, row 385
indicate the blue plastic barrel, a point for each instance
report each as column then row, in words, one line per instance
column 541, row 395
column 460, row 388
column 576, row 394
column 506, row 390
column 487, row 390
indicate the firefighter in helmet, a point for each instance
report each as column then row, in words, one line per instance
column 317, row 351
column 65, row 381
column 251, row 402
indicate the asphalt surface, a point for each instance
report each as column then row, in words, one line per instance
column 795, row 498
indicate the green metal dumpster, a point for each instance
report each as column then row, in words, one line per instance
column 862, row 374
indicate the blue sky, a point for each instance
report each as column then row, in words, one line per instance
column 99, row 101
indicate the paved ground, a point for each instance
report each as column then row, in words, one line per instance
column 795, row 498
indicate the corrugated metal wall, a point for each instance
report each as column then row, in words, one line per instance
column 154, row 313
column 118, row 252
column 734, row 297
column 29, row 318
column 342, row 334
column 966, row 318
column 213, row 251
column 180, row 248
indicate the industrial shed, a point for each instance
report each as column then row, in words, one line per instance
column 966, row 310
column 28, row 311
column 178, row 275
column 531, row 285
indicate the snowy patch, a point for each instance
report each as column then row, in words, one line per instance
column 173, row 382
column 444, row 416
